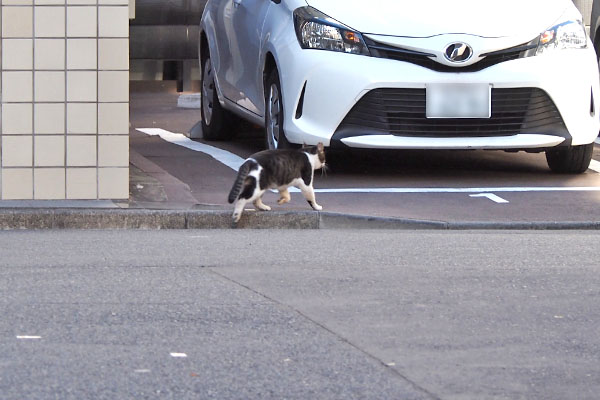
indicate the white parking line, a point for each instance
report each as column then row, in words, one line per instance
column 595, row 166
column 229, row 159
column 178, row 355
column 29, row 337
column 234, row 162
column 464, row 190
column 492, row 197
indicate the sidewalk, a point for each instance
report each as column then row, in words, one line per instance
column 158, row 200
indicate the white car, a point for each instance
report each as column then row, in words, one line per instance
column 398, row 74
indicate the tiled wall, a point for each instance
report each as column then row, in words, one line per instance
column 65, row 99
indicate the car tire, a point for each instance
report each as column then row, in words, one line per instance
column 570, row 159
column 274, row 114
column 217, row 123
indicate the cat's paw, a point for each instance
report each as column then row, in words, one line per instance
column 283, row 200
column 315, row 206
column 259, row 205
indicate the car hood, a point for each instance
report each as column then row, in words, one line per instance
column 426, row 18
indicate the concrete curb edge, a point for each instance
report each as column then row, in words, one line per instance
column 68, row 218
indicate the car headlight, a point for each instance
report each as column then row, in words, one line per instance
column 568, row 35
column 316, row 30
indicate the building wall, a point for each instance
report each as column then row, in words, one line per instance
column 65, row 99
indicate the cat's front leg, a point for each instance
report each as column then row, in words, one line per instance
column 309, row 195
column 260, row 205
column 285, row 196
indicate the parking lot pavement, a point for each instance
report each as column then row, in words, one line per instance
column 476, row 188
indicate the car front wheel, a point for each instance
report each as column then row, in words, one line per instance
column 217, row 123
column 274, row 134
column 570, row 159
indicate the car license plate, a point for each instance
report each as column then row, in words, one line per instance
column 458, row 100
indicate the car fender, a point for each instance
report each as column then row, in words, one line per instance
column 277, row 16
column 279, row 40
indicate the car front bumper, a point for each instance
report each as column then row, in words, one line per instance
column 321, row 88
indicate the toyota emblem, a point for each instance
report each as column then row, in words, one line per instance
column 458, row 52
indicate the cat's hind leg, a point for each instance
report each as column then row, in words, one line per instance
column 249, row 194
column 285, row 196
column 237, row 211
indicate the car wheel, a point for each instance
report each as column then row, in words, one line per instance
column 570, row 159
column 217, row 123
column 274, row 134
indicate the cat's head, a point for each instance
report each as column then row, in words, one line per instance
column 319, row 152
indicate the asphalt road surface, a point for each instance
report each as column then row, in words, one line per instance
column 299, row 315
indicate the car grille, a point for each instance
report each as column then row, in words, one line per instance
column 429, row 60
column 401, row 112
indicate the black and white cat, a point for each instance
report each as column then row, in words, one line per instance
column 276, row 169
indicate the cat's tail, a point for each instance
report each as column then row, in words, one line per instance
column 239, row 181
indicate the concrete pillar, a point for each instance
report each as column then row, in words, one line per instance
column 585, row 7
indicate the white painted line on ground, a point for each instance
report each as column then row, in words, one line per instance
column 142, row 371
column 492, row 197
column 464, row 190
column 178, row 355
column 28, row 337
column 229, row 159
column 234, row 162
column 595, row 166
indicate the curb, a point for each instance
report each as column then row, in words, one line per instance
column 144, row 219
column 525, row 225
column 189, row 100
column 19, row 219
